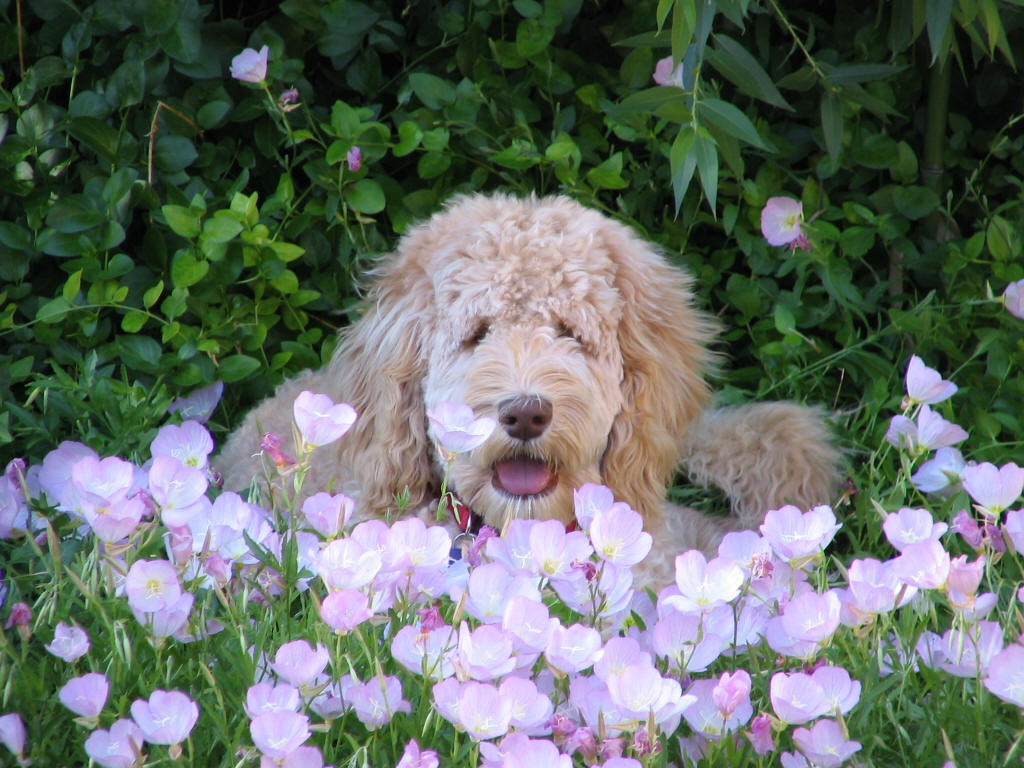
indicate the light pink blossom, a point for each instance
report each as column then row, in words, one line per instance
column 1005, row 676
column 298, row 663
column 85, row 695
column 167, row 717
column 926, row 385
column 781, row 220
column 414, row 757
column 200, row 404
column 910, row 526
column 250, row 65
column 328, row 514
column 12, row 733
column 825, row 745
column 797, row 536
column 704, row 584
column 152, row 586
column 667, row 74
column 120, row 747
column 456, row 427
column 70, row 642
column 1013, row 299
column 345, row 609
column 940, row 472
column 320, row 420
column 993, row 489
column 377, row 700
column 279, row 733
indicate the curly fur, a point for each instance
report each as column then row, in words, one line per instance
column 497, row 298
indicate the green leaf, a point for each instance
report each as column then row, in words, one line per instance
column 149, row 298
column 286, row 251
column 186, row 270
column 519, row 156
column 434, row 92
column 683, row 162
column 863, row 73
column 53, row 310
column 731, row 120
column 182, row 220
column 174, row 153
column 707, row 168
column 14, row 236
column 409, row 135
column 133, row 321
column 915, row 202
column 213, row 113
column 532, row 37
column 237, row 367
column 366, row 196
column 735, row 64
column 71, row 286
column 74, row 213
column 221, row 228
column 832, row 123
column 608, row 175
column 140, row 352
column 939, row 13
column 785, row 323
column 433, row 164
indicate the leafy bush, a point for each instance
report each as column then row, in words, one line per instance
column 164, row 225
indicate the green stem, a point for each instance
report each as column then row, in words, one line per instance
column 935, row 135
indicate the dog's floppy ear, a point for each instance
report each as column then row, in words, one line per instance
column 664, row 344
column 378, row 369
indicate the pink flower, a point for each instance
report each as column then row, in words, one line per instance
column 484, row 653
column 944, row 469
column 198, row 405
column 267, row 697
column 528, row 621
column 425, row 652
column 924, row 565
column 992, row 488
column 1005, row 677
column 706, row 717
column 928, row 433
column 377, row 700
column 20, row 615
column 320, row 420
column 797, row 537
column 703, row 584
column 85, row 695
column 824, row 744
column 731, row 690
column 345, row 609
column 167, row 717
column 1013, row 527
column 169, row 620
column 554, row 551
column 457, row 429
column 531, row 709
column 681, row 638
column 178, row 490
column 298, row 663
column 120, row 747
column 413, row 757
column 354, row 159
column 328, row 514
column 250, row 66
column 781, row 218
column 618, row 536
column 1013, row 299
column 12, row 733
column 572, row 649
column 277, row 734
column 347, row 564
column 270, row 444
column 288, row 100
column 926, row 385
column 479, row 708
column 873, row 588
column 189, row 443
column 70, row 642
column 666, row 74
column 760, row 734
column 797, row 698
column 152, row 586
column 910, row 526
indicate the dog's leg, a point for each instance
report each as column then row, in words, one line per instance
column 763, row 456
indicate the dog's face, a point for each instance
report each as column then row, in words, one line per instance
column 527, row 336
column 551, row 318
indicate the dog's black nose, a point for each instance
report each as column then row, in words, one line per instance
column 525, row 418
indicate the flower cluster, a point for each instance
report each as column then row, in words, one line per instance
column 541, row 648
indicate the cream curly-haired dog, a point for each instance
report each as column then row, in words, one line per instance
column 583, row 343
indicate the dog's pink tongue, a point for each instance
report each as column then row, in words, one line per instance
column 523, row 477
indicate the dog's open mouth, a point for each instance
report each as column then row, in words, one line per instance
column 524, row 477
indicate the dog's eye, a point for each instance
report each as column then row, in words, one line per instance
column 478, row 335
